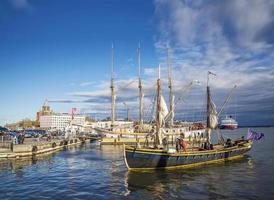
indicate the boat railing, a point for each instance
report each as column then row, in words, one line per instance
column 6, row 138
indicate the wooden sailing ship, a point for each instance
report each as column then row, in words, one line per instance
column 128, row 129
column 160, row 156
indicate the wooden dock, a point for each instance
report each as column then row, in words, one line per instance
column 34, row 147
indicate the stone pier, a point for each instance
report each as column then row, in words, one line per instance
column 33, row 147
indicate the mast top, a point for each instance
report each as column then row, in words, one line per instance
column 159, row 71
column 168, row 64
column 139, row 59
column 112, row 61
column 209, row 73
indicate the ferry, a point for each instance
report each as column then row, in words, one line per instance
column 228, row 123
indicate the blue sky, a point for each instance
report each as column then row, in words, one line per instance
column 60, row 50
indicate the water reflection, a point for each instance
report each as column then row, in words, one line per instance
column 15, row 165
column 205, row 180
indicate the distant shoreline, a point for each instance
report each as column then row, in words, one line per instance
column 254, row 126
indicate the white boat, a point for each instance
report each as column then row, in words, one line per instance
column 228, row 123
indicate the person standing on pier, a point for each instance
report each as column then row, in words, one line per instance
column 15, row 140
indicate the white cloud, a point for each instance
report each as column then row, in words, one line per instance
column 249, row 18
column 200, row 42
column 83, row 84
column 226, row 37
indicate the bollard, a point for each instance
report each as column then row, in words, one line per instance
column 34, row 149
column 53, row 145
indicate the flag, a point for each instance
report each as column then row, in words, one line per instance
column 73, row 111
column 252, row 135
column 209, row 72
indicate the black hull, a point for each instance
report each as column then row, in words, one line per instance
column 158, row 159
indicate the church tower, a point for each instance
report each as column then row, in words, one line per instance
column 45, row 111
column 46, row 108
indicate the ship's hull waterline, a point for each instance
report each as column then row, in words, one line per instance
column 229, row 127
column 149, row 159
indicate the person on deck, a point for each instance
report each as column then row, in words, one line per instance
column 177, row 143
column 228, row 143
column 194, row 143
column 199, row 140
column 183, row 144
column 165, row 143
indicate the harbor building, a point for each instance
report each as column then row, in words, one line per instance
column 61, row 121
column 44, row 111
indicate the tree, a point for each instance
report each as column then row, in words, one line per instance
column 88, row 119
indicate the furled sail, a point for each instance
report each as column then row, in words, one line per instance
column 161, row 135
column 170, row 115
column 163, row 111
column 212, row 121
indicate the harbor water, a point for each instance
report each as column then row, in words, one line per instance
column 92, row 171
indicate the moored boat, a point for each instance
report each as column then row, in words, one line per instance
column 160, row 156
column 145, row 158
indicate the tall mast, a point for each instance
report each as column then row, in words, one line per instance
column 112, row 87
column 208, row 106
column 208, row 129
column 207, row 100
column 171, row 95
column 128, row 114
column 208, row 135
column 141, row 94
column 158, row 108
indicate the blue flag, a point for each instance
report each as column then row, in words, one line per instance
column 252, row 135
